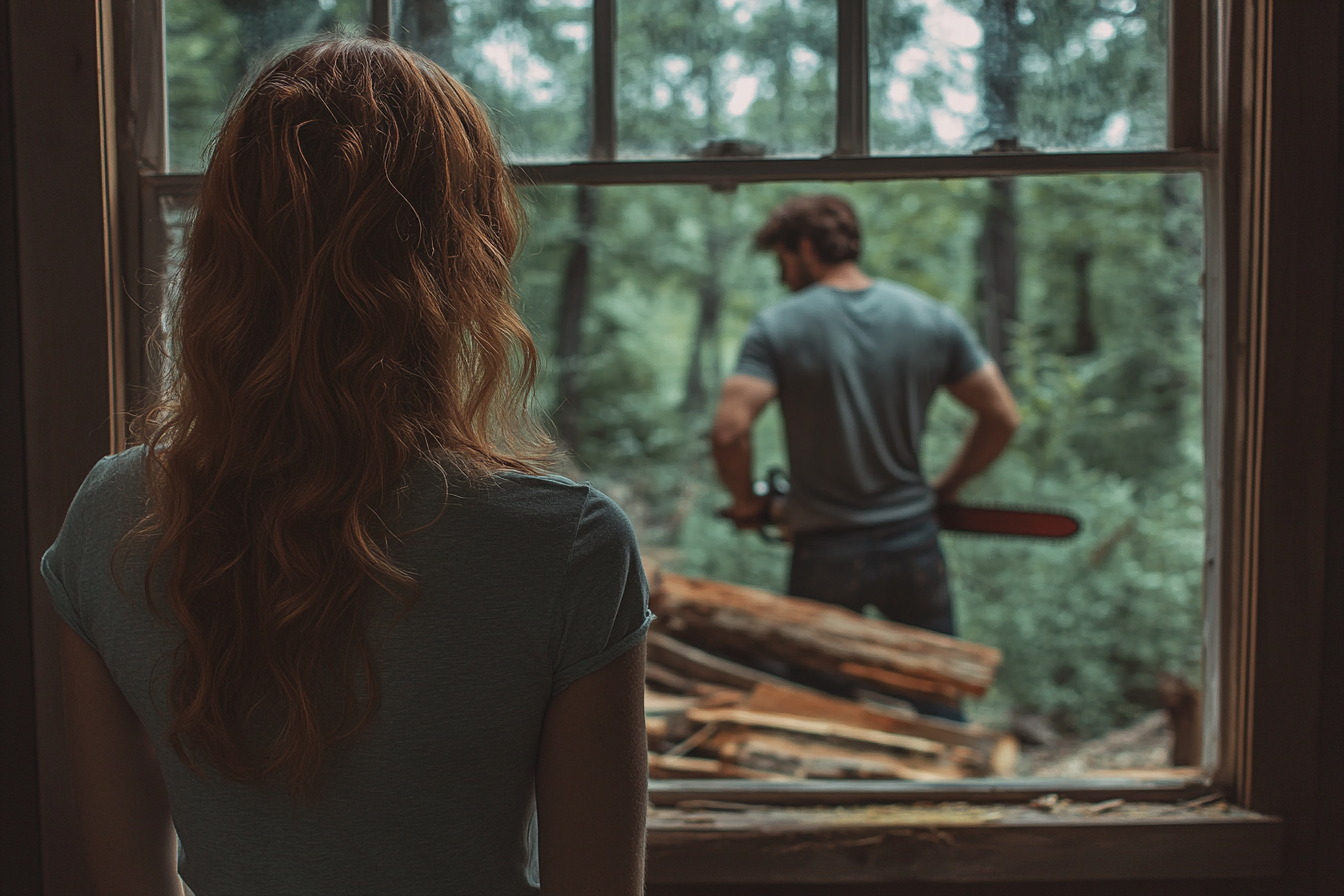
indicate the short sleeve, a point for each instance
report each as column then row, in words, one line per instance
column 964, row 353
column 757, row 359
column 62, row 561
column 602, row 608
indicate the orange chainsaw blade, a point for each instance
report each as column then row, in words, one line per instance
column 1022, row 522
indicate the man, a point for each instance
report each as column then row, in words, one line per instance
column 855, row 363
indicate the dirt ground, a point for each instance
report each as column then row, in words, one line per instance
column 1144, row 745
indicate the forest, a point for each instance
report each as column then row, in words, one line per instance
column 1085, row 288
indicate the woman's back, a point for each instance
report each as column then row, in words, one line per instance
column 525, row 585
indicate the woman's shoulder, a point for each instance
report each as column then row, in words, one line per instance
column 113, row 481
column 581, row 501
column 589, row 518
column 526, row 502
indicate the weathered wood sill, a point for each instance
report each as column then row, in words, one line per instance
column 711, row 839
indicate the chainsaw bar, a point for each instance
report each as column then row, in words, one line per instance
column 1022, row 522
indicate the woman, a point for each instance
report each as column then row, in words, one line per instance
column 326, row 625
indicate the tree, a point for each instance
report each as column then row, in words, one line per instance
column 1000, row 66
column 632, row 291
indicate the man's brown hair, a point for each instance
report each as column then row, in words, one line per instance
column 825, row 220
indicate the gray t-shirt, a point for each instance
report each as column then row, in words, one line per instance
column 856, row 371
column 526, row 584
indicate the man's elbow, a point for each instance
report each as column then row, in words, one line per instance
column 726, row 434
column 1004, row 418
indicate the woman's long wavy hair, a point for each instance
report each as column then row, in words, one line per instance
column 345, row 310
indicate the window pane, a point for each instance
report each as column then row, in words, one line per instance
column 529, row 62
column 952, row 76
column 695, row 72
column 212, row 46
column 1103, row 351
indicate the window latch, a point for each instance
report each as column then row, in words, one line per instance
column 1003, row 145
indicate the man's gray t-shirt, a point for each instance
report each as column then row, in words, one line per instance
column 856, row 370
column 526, row 584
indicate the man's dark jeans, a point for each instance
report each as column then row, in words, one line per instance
column 898, row 568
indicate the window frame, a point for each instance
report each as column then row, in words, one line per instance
column 1205, row 81
column 1193, row 83
column 1272, row 268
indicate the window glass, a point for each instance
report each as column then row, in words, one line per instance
column 529, row 62
column 697, row 72
column 953, row 76
column 211, row 47
column 1102, row 346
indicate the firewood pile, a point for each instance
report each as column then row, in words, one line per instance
column 708, row 716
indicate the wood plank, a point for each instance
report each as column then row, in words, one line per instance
column 999, row 751
column 697, row 767
column 803, row 756
column 876, row 844
column 770, row 697
column 664, row 704
column 665, row 677
column 802, row 792
column 699, row 664
column 900, row 683
column 819, row 728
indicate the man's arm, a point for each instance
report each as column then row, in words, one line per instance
column 741, row 403
column 123, row 805
column 996, row 418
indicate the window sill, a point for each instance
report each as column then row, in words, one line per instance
column 706, row 837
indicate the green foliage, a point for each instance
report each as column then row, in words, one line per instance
column 1112, row 426
column 212, row 46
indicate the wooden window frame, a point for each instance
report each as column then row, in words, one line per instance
column 1193, row 128
column 1268, row 475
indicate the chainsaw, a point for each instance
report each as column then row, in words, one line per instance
column 1023, row 522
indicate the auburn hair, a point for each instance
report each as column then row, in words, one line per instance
column 345, row 309
column 825, row 220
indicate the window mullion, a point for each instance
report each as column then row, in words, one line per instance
column 380, row 18
column 602, row 137
column 851, row 82
column 1190, row 47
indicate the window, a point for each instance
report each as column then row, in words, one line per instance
column 657, row 136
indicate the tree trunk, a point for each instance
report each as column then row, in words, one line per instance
column 704, row 343
column 998, row 270
column 569, row 324
column 820, row 636
column 1084, row 335
column 427, row 25
column 704, row 371
column 1000, row 63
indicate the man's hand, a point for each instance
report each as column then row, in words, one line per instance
column 996, row 418
column 942, row 492
column 749, row 514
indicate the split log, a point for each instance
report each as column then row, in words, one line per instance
column 665, row 677
column 656, row 704
column 820, row 728
column 695, row 767
column 693, row 663
column 801, row 756
column 820, row 636
column 901, row 683
column 1184, row 708
column 996, row 753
